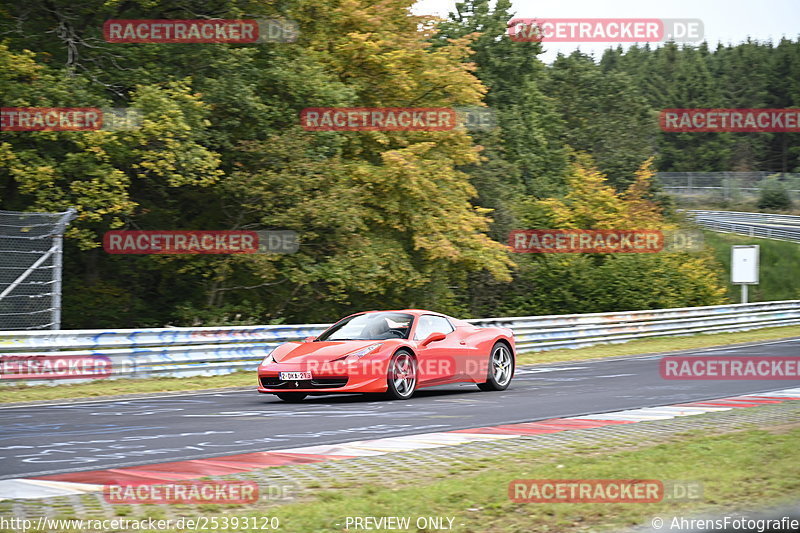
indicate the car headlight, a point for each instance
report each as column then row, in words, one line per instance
column 358, row 354
column 268, row 359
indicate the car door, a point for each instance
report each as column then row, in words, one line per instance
column 436, row 361
column 470, row 360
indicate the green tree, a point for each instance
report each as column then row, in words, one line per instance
column 605, row 115
column 524, row 155
column 743, row 73
column 784, row 84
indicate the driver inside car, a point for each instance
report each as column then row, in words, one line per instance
column 386, row 328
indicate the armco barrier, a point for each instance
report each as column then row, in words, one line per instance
column 160, row 352
column 539, row 333
column 764, row 225
column 185, row 352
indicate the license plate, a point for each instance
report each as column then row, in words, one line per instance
column 294, row 376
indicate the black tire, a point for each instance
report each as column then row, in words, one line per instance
column 291, row 397
column 401, row 381
column 501, row 368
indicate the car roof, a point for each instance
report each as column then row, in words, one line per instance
column 416, row 312
column 408, row 311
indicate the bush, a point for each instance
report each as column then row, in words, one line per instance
column 774, row 195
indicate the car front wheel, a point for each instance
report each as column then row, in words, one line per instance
column 501, row 368
column 401, row 378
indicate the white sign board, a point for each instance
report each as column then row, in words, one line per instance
column 744, row 264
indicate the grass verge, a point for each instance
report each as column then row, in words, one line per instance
column 101, row 388
column 115, row 387
column 779, row 263
column 750, row 469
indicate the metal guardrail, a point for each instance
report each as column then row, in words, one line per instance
column 186, row 352
column 687, row 189
column 750, row 224
column 159, row 352
column 578, row 331
column 746, row 215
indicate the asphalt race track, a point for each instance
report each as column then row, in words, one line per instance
column 93, row 435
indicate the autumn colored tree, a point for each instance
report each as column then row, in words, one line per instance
column 573, row 283
column 386, row 218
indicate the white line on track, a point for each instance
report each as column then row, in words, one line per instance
column 133, row 399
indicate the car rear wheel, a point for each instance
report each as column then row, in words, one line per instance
column 291, row 397
column 501, row 368
column 401, row 379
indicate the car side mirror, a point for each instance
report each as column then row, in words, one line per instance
column 433, row 337
column 310, row 339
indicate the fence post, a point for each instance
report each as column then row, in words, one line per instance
column 58, row 261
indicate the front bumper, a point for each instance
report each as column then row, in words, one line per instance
column 331, row 381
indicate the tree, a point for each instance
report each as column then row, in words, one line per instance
column 784, row 92
column 219, row 148
column 524, row 155
column 743, row 73
column 605, row 115
column 580, row 283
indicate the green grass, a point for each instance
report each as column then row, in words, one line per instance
column 747, row 469
column 102, row 388
column 779, row 266
column 108, row 387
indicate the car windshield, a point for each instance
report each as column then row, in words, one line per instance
column 370, row 326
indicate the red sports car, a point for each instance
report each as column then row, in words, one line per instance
column 392, row 353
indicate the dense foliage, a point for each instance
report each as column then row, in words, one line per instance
column 386, row 219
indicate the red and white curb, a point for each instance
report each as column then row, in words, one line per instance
column 93, row 481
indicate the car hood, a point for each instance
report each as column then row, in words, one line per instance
column 322, row 351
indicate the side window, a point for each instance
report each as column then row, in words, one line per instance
column 432, row 324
